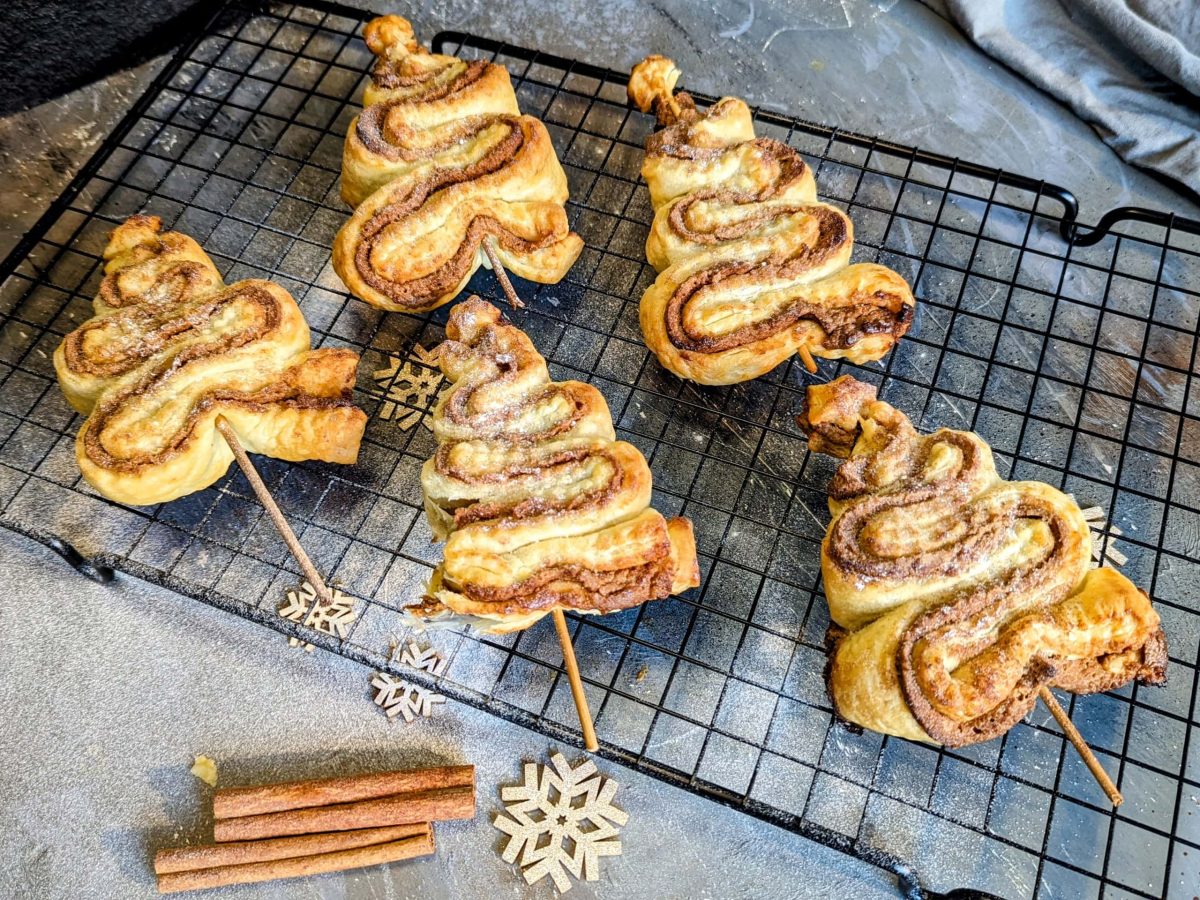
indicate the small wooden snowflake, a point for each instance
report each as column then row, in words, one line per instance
column 397, row 697
column 408, row 391
column 1103, row 554
column 334, row 618
column 555, row 806
column 423, row 659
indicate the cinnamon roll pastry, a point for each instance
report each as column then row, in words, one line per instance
column 171, row 349
column 956, row 596
column 540, row 506
column 440, row 160
column 752, row 268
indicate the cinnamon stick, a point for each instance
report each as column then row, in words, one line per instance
column 219, row 876
column 251, row 801
column 237, row 853
column 402, row 809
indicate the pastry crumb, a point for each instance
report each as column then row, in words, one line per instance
column 206, row 770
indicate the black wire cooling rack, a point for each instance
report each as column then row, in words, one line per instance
column 1072, row 351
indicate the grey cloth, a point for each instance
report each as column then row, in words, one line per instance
column 1130, row 68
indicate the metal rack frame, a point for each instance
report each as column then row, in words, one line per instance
column 1068, row 348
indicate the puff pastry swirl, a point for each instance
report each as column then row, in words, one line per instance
column 752, row 267
column 538, row 503
column 171, row 348
column 440, row 160
column 956, row 595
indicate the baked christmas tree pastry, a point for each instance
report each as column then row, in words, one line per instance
column 956, row 595
column 439, row 161
column 539, row 505
column 171, row 348
column 752, row 269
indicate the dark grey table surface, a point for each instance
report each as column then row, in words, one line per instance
column 107, row 692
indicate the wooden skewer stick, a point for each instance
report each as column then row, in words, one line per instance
column 560, row 621
column 489, row 247
column 572, row 667
column 273, row 510
column 1073, row 735
column 807, row 359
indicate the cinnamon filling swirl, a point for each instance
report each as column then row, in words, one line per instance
column 582, row 588
column 844, row 324
column 113, row 345
column 552, row 467
column 682, row 217
column 424, row 84
column 373, row 131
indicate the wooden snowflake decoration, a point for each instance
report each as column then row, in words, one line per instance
column 333, row 618
column 423, row 659
column 397, row 697
column 408, row 391
column 1103, row 554
column 557, row 806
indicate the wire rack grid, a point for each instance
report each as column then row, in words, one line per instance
column 1076, row 361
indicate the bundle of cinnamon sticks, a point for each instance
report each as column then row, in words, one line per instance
column 310, row 827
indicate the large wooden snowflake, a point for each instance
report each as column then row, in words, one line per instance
column 559, row 806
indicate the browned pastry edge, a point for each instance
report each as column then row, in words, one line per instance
column 833, row 637
column 836, row 430
column 595, row 591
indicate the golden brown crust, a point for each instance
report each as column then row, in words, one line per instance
column 541, row 507
column 751, row 268
column 652, row 82
column 171, row 349
column 439, row 161
column 959, row 595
